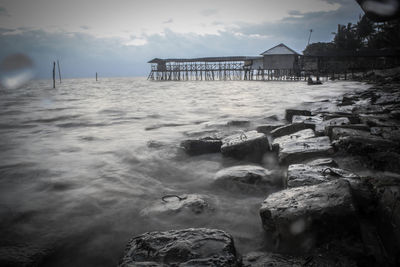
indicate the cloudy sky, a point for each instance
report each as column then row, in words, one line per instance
column 118, row 37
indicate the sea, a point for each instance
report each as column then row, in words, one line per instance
column 80, row 163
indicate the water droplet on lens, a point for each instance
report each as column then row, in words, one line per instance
column 16, row 70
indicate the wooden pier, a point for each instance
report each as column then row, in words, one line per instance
column 215, row 68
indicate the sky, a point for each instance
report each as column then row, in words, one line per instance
column 118, row 37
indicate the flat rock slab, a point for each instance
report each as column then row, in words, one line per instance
column 320, row 127
column 310, row 215
column 360, row 127
column 329, row 162
column 202, row 146
column 188, row 247
column 173, row 204
column 289, row 129
column 291, row 112
column 267, row 128
column 297, row 136
column 298, row 151
column 247, row 178
column 248, row 145
column 303, row 175
column 312, row 121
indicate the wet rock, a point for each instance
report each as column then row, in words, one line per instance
column 320, row 127
column 289, row 129
column 384, row 161
column 391, row 133
column 298, row 151
column 302, row 175
column 247, row 178
column 353, row 118
column 264, row 259
column 267, row 128
column 248, row 145
column 329, row 162
column 361, row 127
column 188, row 247
column 309, row 215
column 291, row 112
column 361, row 142
column 202, row 146
column 173, row 204
column 297, row 136
column 310, row 121
column 395, row 114
column 378, row 121
column 238, row 123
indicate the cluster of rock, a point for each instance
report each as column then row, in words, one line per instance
column 329, row 215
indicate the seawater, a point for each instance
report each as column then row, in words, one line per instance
column 78, row 163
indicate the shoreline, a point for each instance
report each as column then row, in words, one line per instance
column 348, row 145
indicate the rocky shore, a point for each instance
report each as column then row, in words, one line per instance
column 338, row 203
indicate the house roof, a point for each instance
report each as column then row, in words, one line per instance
column 280, row 49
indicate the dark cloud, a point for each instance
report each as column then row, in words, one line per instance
column 81, row 55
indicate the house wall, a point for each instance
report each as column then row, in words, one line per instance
column 279, row 61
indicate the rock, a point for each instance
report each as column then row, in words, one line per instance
column 291, row 112
column 384, row 161
column 323, row 162
column 378, row 120
column 301, row 150
column 249, row 145
column 173, row 204
column 247, row 178
column 310, row 121
column 188, row 247
column 264, row 259
column 238, row 123
column 267, row 128
column 297, row 136
column 391, row 133
column 320, row 127
column 362, row 143
column 329, row 128
column 202, row 146
column 289, row 129
column 302, row 175
column 309, row 215
column 353, row 118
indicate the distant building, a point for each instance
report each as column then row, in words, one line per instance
column 277, row 63
column 280, row 57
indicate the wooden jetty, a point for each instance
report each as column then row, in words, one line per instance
column 277, row 63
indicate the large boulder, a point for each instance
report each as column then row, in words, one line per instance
column 297, row 136
column 202, row 146
column 173, row 204
column 247, row 178
column 248, row 145
column 312, row 121
column 188, row 247
column 310, row 215
column 267, row 128
column 302, row 175
column 298, row 151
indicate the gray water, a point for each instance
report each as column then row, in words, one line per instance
column 78, row 163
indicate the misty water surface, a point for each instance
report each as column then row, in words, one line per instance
column 79, row 163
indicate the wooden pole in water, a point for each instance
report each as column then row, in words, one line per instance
column 96, row 76
column 59, row 72
column 54, row 74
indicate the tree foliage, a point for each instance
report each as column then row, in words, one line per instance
column 364, row 34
